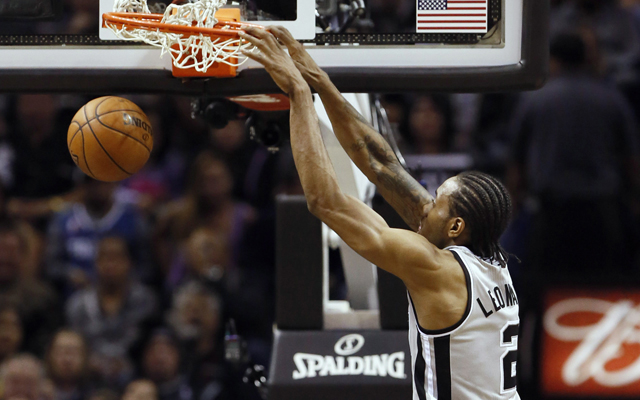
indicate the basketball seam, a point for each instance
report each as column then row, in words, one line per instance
column 84, row 154
column 95, row 109
column 74, row 135
column 86, row 118
column 103, row 149
column 122, row 133
column 96, row 117
column 112, row 111
column 121, row 109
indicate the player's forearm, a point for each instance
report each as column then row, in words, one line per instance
column 372, row 154
column 351, row 128
column 315, row 170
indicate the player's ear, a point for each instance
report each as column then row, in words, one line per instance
column 456, row 227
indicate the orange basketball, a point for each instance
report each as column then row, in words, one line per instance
column 110, row 138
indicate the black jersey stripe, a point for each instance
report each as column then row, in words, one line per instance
column 419, row 371
column 441, row 348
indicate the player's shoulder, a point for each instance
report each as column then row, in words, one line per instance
column 414, row 245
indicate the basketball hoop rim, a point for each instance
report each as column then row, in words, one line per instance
column 130, row 21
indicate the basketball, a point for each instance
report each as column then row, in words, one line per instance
column 110, row 138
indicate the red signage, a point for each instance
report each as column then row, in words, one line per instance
column 591, row 343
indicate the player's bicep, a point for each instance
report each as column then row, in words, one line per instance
column 398, row 251
column 351, row 219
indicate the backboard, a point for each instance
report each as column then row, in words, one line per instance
column 364, row 45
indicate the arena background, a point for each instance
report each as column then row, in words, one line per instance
column 168, row 285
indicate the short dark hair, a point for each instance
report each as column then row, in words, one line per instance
column 484, row 204
column 569, row 49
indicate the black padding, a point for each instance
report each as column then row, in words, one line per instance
column 392, row 293
column 298, row 266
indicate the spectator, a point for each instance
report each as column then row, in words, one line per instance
column 112, row 313
column 207, row 257
column 67, row 361
column 196, row 318
column 253, row 167
column 431, row 129
column 75, row 232
column 10, row 332
column 612, row 31
column 141, row 389
column 231, row 143
column 41, row 169
column 576, row 153
column 36, row 302
column 489, row 139
column 161, row 361
column 32, row 240
column 208, row 204
column 23, row 378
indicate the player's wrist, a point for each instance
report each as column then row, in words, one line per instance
column 319, row 80
column 299, row 88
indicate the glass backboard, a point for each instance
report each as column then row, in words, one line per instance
column 365, row 46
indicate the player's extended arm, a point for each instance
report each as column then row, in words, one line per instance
column 364, row 145
column 366, row 232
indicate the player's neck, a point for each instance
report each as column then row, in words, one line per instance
column 462, row 240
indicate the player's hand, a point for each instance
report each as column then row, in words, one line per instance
column 275, row 60
column 307, row 66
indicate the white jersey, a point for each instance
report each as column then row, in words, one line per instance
column 475, row 358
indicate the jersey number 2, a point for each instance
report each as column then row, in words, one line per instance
column 509, row 339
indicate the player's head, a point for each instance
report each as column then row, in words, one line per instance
column 471, row 209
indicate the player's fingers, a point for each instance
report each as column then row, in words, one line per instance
column 257, row 32
column 254, row 55
column 263, row 34
column 271, row 40
column 259, row 43
column 283, row 35
column 260, row 38
column 251, row 39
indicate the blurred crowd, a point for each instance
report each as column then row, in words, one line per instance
column 112, row 288
column 124, row 290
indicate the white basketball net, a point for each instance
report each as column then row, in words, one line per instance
column 187, row 51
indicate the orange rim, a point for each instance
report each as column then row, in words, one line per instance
column 151, row 22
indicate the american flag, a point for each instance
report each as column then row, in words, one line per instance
column 448, row 16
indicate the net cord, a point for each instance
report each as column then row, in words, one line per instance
column 187, row 51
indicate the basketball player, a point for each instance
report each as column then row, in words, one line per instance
column 463, row 311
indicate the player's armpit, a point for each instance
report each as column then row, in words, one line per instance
column 403, row 253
